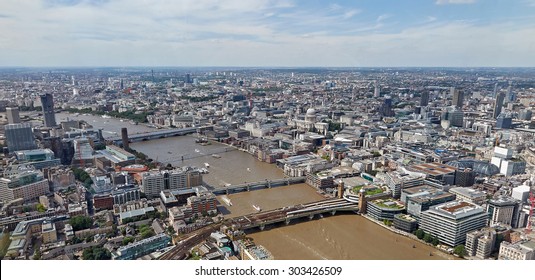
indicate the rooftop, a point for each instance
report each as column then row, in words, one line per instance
column 433, row 169
column 456, row 209
column 467, row 192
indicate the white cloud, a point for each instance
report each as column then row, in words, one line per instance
column 383, row 17
column 445, row 2
column 245, row 33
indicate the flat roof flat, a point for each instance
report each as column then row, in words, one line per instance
column 434, row 168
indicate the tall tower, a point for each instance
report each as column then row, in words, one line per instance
column 362, row 201
column 498, row 105
column 495, row 90
column 13, row 116
column 458, row 97
column 424, row 99
column 47, row 101
column 377, row 90
column 341, row 189
column 124, row 136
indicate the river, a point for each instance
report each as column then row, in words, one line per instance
column 344, row 236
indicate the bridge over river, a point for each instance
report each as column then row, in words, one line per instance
column 154, row 135
column 255, row 185
column 282, row 216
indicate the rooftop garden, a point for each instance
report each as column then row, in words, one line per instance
column 368, row 190
column 390, row 204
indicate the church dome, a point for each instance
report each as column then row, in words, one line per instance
column 311, row 112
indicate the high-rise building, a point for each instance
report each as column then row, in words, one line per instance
column 124, row 136
column 377, row 90
column 20, row 137
column 502, row 210
column 13, row 116
column 525, row 115
column 458, row 98
column 504, row 122
column 155, row 182
column 386, row 108
column 498, row 105
column 188, row 79
column 456, row 118
column 511, row 96
column 47, row 101
column 451, row 221
column 424, row 99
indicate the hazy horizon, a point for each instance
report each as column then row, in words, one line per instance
column 268, row 33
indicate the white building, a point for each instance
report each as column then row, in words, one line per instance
column 523, row 250
column 451, row 221
column 469, row 195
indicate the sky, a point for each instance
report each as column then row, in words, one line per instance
column 268, row 33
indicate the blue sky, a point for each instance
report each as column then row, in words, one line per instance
column 352, row 33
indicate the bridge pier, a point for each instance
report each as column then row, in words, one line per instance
column 333, row 212
column 287, row 221
column 227, row 191
column 262, row 226
column 311, row 216
column 248, row 188
column 269, row 184
column 288, row 182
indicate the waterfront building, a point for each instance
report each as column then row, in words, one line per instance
column 384, row 209
column 154, row 182
column 405, row 223
column 203, row 203
column 451, row 221
column 480, row 243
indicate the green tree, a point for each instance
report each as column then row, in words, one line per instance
column 428, row 238
column 171, row 230
column 435, row 241
column 459, row 250
column 80, row 222
column 419, row 233
column 41, row 208
column 37, row 255
column 127, row 240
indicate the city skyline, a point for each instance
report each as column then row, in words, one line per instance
column 279, row 33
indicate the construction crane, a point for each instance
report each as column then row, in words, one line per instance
column 530, row 217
